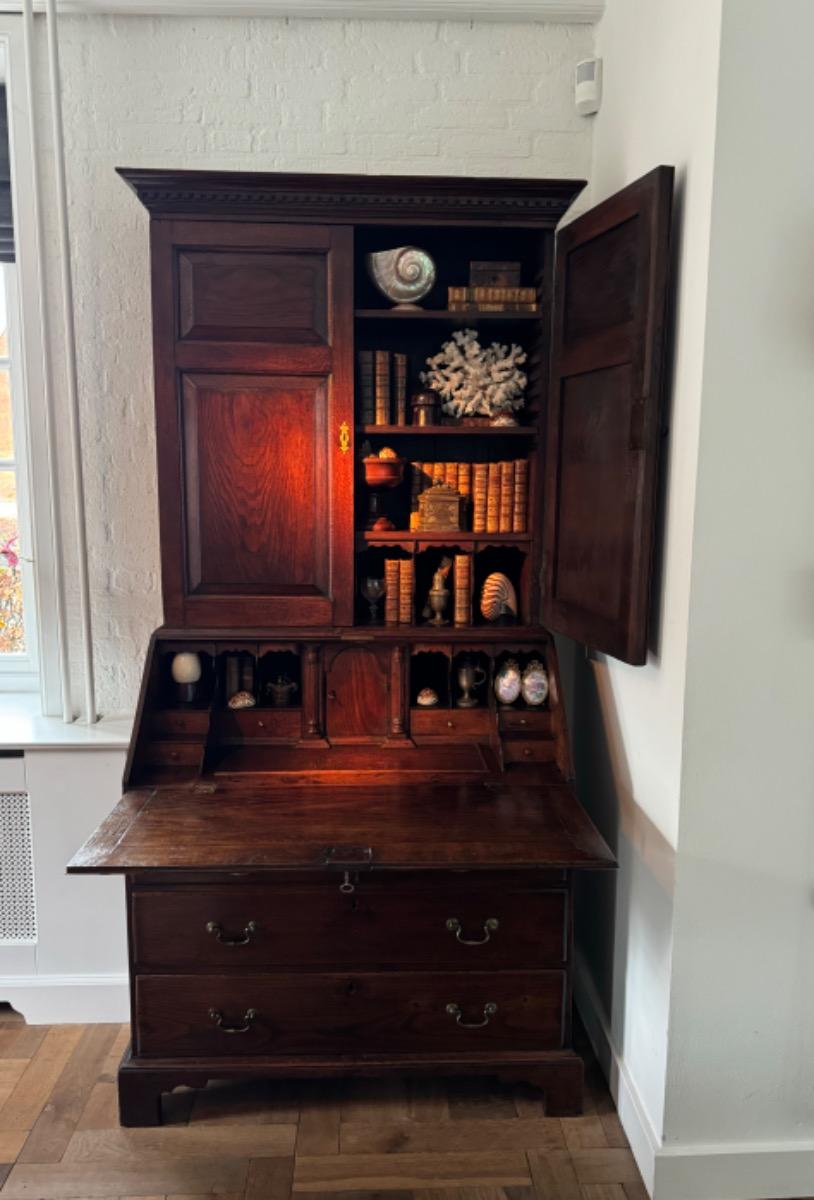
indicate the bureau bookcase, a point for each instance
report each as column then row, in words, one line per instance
column 348, row 882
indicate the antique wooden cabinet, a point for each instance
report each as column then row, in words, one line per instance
column 338, row 878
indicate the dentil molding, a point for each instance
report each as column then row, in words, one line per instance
column 568, row 11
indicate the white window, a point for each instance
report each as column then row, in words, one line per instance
column 18, row 627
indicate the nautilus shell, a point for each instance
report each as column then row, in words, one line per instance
column 404, row 275
column 498, row 597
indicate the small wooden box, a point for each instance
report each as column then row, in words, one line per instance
column 440, row 507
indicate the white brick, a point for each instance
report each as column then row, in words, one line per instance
column 384, row 97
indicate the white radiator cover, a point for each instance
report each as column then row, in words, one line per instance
column 18, row 909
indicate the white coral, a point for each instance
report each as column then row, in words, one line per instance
column 473, row 381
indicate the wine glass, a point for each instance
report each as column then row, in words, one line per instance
column 373, row 589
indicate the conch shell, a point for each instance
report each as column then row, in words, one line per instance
column 404, row 275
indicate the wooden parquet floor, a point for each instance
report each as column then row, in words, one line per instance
column 378, row 1139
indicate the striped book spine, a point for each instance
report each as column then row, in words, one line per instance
column 382, row 387
column 400, row 387
column 392, row 574
column 367, row 413
column 480, row 472
column 406, row 589
column 462, row 580
column 506, row 509
column 521, row 496
column 493, row 499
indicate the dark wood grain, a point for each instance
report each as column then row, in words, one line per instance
column 356, row 693
column 604, row 419
column 348, row 1012
column 253, row 819
column 382, row 924
column 243, row 825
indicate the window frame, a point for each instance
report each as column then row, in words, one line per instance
column 20, row 672
column 30, row 393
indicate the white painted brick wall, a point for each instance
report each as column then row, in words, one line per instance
column 295, row 95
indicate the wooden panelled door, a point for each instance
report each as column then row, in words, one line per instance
column 604, row 420
column 254, row 400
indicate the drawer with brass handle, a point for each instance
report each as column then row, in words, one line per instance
column 524, row 720
column 209, row 1015
column 531, row 749
column 246, row 927
column 451, row 722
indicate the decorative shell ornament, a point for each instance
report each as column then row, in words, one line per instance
column 507, row 682
column 387, row 453
column 427, row 698
column 498, row 597
column 535, row 683
column 404, row 275
column 242, row 700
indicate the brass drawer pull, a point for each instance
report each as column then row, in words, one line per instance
column 217, row 933
column 248, row 1017
column 490, row 926
column 489, row 1010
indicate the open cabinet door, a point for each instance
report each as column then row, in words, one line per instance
column 604, row 418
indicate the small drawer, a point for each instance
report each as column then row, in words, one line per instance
column 518, row 750
column 451, row 722
column 462, row 927
column 280, row 724
column 173, row 754
column 524, row 720
column 179, row 723
column 215, row 1015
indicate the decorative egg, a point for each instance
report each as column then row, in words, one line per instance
column 404, row 275
column 534, row 684
column 186, row 667
column 427, row 698
column 387, row 453
column 507, row 682
column 498, row 597
column 242, row 700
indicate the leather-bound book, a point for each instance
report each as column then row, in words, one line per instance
column 521, row 496
column 480, row 473
column 439, row 472
column 367, row 409
column 493, row 499
column 462, row 582
column 465, row 490
column 506, row 511
column 392, row 576
column 452, row 475
column 382, row 388
column 400, row 387
column 406, row 590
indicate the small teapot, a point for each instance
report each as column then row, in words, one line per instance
column 280, row 691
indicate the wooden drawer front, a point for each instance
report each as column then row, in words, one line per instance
column 516, row 750
column 374, row 927
column 449, row 722
column 282, row 723
column 173, row 753
column 176, row 1015
column 180, row 723
column 524, row 720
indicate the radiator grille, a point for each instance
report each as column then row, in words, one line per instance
column 18, row 913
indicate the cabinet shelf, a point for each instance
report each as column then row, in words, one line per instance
column 442, row 537
column 512, row 431
column 442, row 315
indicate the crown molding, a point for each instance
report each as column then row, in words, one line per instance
column 582, row 12
column 351, row 198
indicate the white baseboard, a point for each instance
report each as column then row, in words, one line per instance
column 698, row 1171
column 67, row 999
column 644, row 1141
